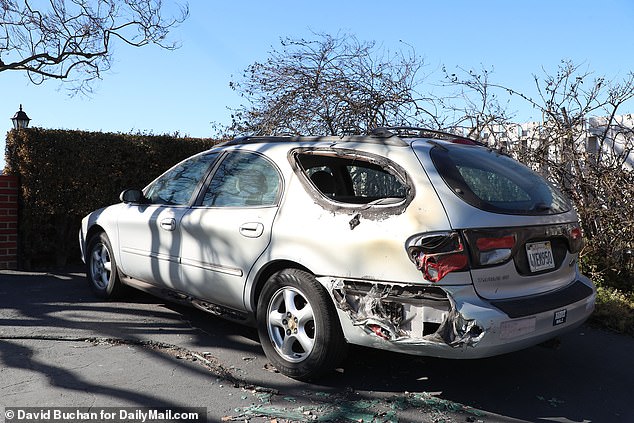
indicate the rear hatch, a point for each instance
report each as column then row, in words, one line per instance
column 520, row 232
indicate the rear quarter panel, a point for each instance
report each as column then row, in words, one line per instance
column 320, row 238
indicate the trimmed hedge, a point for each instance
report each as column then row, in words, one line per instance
column 66, row 174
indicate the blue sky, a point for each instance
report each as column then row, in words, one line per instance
column 153, row 90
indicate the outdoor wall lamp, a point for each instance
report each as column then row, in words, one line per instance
column 20, row 119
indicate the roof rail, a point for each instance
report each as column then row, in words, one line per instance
column 384, row 135
column 373, row 138
column 417, row 132
column 254, row 139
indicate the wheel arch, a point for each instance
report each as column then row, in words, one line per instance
column 92, row 231
column 264, row 274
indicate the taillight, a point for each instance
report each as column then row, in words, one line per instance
column 487, row 244
column 494, row 250
column 437, row 254
column 576, row 239
column 437, row 266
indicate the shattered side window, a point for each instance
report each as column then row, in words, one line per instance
column 369, row 182
column 243, row 180
column 353, row 178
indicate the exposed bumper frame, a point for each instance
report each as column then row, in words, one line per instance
column 449, row 321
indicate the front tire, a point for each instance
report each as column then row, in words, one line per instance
column 101, row 269
column 298, row 325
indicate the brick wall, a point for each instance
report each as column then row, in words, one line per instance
column 8, row 222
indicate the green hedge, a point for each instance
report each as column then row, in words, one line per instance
column 66, row 174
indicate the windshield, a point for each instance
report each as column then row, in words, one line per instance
column 497, row 183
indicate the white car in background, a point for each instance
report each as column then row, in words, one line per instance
column 407, row 240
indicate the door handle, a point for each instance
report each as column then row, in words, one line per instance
column 252, row 229
column 169, row 224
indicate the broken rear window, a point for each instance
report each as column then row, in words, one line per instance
column 496, row 183
column 354, row 178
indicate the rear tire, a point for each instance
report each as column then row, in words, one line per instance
column 101, row 269
column 298, row 325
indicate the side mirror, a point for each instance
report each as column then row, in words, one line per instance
column 132, row 196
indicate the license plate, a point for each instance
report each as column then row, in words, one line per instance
column 540, row 256
column 514, row 328
column 560, row 317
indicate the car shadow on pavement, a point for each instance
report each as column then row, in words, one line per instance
column 48, row 322
column 537, row 384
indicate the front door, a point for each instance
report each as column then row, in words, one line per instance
column 150, row 233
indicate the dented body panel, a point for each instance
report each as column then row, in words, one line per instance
column 447, row 322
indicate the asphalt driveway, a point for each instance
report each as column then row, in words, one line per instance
column 62, row 347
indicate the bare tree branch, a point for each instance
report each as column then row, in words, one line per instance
column 72, row 39
column 330, row 85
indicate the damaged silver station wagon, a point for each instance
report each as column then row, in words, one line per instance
column 407, row 240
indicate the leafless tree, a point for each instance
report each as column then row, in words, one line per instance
column 331, row 85
column 72, row 40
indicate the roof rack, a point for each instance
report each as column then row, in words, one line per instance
column 384, row 135
column 256, row 139
column 416, row 132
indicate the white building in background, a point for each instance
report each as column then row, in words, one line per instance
column 618, row 138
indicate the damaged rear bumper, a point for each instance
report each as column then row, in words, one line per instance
column 445, row 321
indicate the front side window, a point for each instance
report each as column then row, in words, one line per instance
column 243, row 180
column 496, row 183
column 177, row 185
